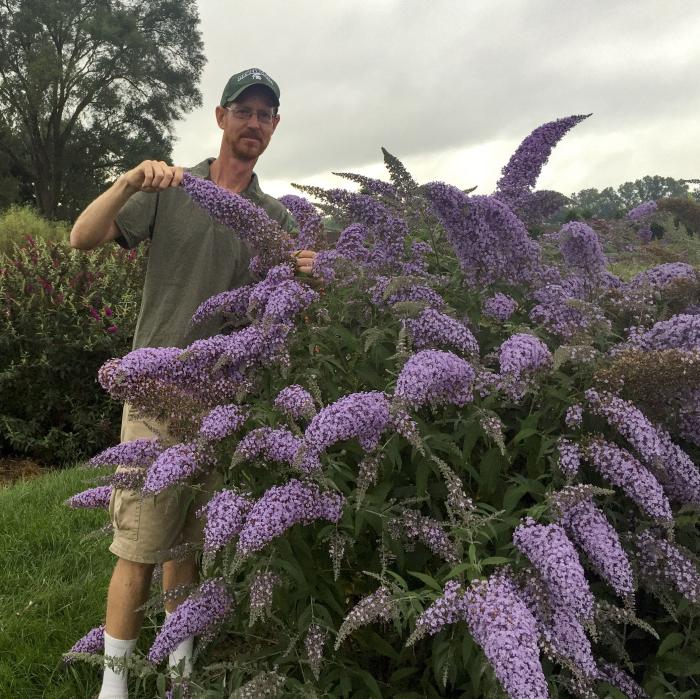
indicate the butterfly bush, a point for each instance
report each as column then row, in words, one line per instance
column 366, row 386
column 281, row 507
column 663, row 564
column 555, row 557
column 518, row 177
column 641, row 211
column 92, row 498
column 92, row 642
column 434, row 377
column 432, row 329
column 588, row 527
column 295, row 402
column 225, row 515
column 500, row 306
column 503, row 626
column 207, row 608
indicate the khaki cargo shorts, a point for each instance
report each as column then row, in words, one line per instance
column 150, row 528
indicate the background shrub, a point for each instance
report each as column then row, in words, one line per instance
column 18, row 222
column 63, row 313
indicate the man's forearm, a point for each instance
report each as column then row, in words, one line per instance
column 96, row 225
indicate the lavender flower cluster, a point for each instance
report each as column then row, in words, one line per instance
column 295, row 402
column 661, row 276
column 679, row 332
column 92, row 498
column 225, row 515
column 278, row 445
column 520, row 174
column 581, row 248
column 92, row 642
column 232, row 303
column 222, row 421
column 137, row 453
column 433, row 329
column 555, row 557
column 500, row 307
column 176, row 464
column 198, row 613
column 641, row 211
column 283, row 506
column 435, row 377
column 308, row 219
column 522, row 355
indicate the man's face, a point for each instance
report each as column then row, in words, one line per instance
column 248, row 138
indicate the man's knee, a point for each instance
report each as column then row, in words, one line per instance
column 133, row 571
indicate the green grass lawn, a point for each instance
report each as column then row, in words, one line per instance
column 53, row 584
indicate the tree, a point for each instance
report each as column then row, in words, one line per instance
column 650, row 188
column 88, row 88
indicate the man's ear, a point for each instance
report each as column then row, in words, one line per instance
column 220, row 114
column 275, row 121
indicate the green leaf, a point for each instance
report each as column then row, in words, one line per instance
column 673, row 640
column 430, row 582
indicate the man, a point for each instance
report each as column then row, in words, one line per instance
column 191, row 258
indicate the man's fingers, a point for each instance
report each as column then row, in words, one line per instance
column 178, row 172
column 148, row 173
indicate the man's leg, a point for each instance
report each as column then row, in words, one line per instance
column 128, row 591
column 175, row 574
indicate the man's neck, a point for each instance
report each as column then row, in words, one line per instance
column 231, row 173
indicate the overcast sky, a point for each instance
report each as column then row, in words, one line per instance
column 451, row 87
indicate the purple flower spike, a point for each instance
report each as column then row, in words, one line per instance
column 378, row 605
column 620, row 468
column 500, row 307
column 524, row 354
column 198, row 613
column 308, row 219
column 581, row 249
column 520, row 174
column 589, row 528
column 445, row 610
column 502, row 625
column 555, row 557
column 434, row 377
column 225, row 514
column 433, row 329
column 569, row 457
column 243, row 217
column 362, row 415
column 140, row 452
column 295, row 402
column 281, row 507
column 233, row 303
column 175, row 464
column 641, row 211
column 222, row 421
column 274, row 444
column 660, row 276
column 93, row 498
column 92, row 642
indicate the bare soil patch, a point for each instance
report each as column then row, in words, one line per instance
column 13, row 470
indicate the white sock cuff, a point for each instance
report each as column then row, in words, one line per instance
column 118, row 646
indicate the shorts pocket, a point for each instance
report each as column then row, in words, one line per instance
column 125, row 510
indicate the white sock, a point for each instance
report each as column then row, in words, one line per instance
column 182, row 652
column 114, row 681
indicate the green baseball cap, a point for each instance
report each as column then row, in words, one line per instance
column 247, row 78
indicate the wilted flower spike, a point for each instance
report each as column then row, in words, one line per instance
column 198, row 613
column 266, row 685
column 619, row 678
column 261, row 589
column 378, row 605
column 574, row 416
column 663, row 563
column 314, row 644
column 429, row 531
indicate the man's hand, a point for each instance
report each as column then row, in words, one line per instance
column 153, row 176
column 304, row 260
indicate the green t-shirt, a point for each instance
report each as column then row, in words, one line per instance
column 191, row 258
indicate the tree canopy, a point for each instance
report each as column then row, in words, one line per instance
column 89, row 88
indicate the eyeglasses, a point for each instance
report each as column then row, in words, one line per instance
column 264, row 116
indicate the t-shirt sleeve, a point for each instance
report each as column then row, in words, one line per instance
column 136, row 219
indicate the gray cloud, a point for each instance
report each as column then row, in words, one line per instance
column 420, row 78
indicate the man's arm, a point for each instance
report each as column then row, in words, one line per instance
column 96, row 225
